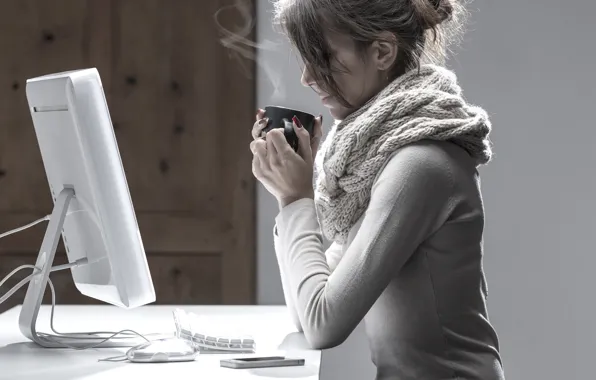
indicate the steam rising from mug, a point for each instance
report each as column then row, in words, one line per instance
column 240, row 46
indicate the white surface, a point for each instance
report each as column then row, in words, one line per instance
column 270, row 325
column 79, row 150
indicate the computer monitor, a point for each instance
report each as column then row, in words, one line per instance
column 93, row 210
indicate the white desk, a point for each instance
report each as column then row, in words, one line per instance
column 270, row 325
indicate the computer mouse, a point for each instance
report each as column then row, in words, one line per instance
column 163, row 351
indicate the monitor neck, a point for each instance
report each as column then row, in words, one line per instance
column 45, row 259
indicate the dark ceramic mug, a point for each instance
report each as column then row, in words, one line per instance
column 281, row 117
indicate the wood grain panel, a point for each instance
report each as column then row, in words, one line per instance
column 169, row 142
column 36, row 38
column 238, row 186
column 161, row 232
column 181, row 109
column 184, row 280
column 187, row 279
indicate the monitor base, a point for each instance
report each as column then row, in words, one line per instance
column 80, row 342
column 37, row 286
column 45, row 259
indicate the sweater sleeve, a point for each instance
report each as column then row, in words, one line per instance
column 409, row 201
column 290, row 299
column 333, row 255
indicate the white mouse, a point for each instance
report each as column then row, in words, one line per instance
column 162, row 351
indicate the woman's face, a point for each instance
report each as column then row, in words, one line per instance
column 358, row 77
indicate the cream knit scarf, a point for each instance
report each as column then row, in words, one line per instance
column 421, row 104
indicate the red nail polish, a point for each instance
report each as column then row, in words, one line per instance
column 297, row 122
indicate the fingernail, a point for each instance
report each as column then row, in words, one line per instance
column 297, row 122
column 260, row 110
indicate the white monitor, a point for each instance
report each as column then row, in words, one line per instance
column 93, row 210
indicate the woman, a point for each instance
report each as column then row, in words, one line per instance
column 397, row 190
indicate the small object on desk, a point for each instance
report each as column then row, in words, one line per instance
column 162, row 351
column 263, row 362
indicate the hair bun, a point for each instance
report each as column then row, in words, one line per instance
column 443, row 7
column 432, row 13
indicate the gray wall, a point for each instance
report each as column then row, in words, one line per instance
column 530, row 64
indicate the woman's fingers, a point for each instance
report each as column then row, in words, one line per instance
column 304, row 143
column 260, row 152
column 274, row 148
column 257, row 128
column 317, row 135
column 260, row 123
column 278, row 142
column 253, row 147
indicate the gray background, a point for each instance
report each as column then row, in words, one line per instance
column 530, row 64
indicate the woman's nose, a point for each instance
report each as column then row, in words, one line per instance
column 306, row 79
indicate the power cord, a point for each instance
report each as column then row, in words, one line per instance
column 26, row 280
column 40, row 220
column 82, row 335
column 57, row 335
column 19, row 229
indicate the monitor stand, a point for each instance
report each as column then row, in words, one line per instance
column 38, row 283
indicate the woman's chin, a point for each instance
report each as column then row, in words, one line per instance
column 339, row 113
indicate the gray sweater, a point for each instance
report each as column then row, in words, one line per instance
column 412, row 269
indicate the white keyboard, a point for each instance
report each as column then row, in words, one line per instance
column 210, row 344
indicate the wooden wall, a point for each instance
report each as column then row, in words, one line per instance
column 182, row 112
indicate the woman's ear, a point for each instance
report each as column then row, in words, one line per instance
column 384, row 51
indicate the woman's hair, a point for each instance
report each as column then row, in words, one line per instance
column 423, row 30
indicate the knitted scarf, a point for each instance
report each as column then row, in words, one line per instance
column 421, row 104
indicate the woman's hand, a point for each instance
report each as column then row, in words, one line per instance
column 284, row 173
column 257, row 128
column 315, row 139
